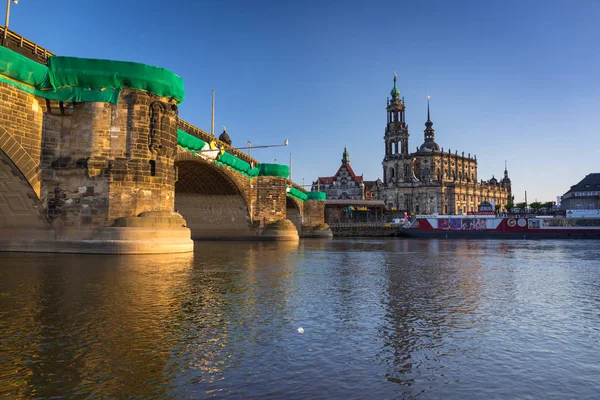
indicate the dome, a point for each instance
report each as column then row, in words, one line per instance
column 395, row 92
column 429, row 147
column 224, row 137
column 493, row 181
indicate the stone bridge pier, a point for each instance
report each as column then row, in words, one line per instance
column 93, row 160
column 87, row 150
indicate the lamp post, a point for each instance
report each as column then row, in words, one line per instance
column 249, row 148
column 8, row 16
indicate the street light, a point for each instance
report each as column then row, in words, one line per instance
column 8, row 16
column 250, row 146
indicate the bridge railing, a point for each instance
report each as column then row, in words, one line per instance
column 207, row 137
column 41, row 53
column 359, row 225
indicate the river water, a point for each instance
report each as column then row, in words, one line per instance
column 382, row 319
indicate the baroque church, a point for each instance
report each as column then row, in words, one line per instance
column 431, row 180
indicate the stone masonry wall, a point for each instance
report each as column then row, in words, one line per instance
column 270, row 204
column 103, row 161
column 21, row 132
column 314, row 213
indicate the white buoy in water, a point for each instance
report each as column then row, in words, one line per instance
column 300, row 330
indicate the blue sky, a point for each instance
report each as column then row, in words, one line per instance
column 512, row 80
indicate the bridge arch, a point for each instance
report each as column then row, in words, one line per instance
column 20, row 206
column 294, row 211
column 213, row 200
column 17, row 154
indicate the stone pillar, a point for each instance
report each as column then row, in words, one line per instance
column 270, row 203
column 314, row 213
column 314, row 220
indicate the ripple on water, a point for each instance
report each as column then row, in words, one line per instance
column 381, row 318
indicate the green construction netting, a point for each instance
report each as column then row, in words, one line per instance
column 280, row 170
column 298, row 194
column 95, row 73
column 188, row 141
column 22, row 69
column 73, row 79
column 234, row 162
column 321, row 196
column 192, row 144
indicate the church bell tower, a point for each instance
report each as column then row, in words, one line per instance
column 396, row 135
column 396, row 131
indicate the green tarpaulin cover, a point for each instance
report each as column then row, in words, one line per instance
column 188, row 141
column 321, row 196
column 22, row 69
column 234, row 162
column 283, row 171
column 72, row 79
column 298, row 194
column 94, row 73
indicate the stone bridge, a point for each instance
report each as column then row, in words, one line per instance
column 93, row 158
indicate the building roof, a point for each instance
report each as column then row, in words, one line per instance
column 369, row 184
column 329, row 179
column 324, row 179
column 350, row 171
column 590, row 182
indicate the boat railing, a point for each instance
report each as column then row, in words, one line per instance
column 353, row 225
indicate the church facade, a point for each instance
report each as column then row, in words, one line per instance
column 431, row 180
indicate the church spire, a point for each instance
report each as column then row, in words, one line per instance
column 429, row 134
column 428, row 124
column 395, row 92
column 345, row 156
column 429, row 131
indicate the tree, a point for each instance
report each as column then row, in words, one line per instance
column 549, row 204
column 509, row 206
column 497, row 207
column 536, row 205
column 522, row 205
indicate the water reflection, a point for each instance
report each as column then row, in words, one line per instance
column 433, row 293
column 382, row 318
column 87, row 324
